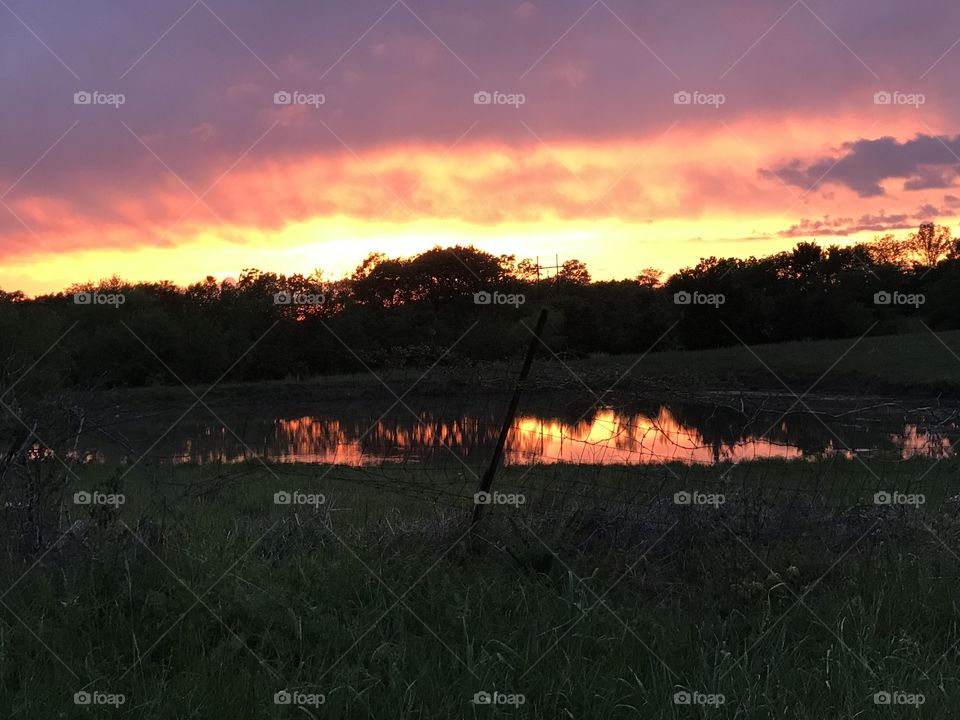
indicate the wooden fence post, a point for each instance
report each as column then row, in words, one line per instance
column 487, row 481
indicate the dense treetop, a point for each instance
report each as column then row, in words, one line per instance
column 400, row 311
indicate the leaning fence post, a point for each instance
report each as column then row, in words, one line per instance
column 487, row 481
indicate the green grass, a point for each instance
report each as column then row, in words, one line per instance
column 921, row 362
column 377, row 599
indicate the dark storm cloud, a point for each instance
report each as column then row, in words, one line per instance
column 863, row 165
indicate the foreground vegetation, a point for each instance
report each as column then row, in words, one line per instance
column 598, row 597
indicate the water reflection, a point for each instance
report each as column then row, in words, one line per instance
column 660, row 433
column 916, row 441
column 613, row 438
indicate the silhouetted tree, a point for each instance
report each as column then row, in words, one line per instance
column 930, row 243
column 650, row 277
column 574, row 271
column 400, row 311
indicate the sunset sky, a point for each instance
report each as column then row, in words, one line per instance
column 200, row 171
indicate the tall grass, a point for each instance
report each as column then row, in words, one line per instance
column 201, row 598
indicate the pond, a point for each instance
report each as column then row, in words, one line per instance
column 360, row 435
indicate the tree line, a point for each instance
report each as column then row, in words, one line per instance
column 394, row 312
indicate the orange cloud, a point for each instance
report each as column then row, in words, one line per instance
column 620, row 204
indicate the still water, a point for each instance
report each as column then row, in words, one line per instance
column 360, row 436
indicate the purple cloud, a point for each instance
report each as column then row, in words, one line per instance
column 923, row 162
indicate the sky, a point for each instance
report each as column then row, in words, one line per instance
column 179, row 139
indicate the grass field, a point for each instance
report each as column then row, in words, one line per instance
column 921, row 363
column 201, row 598
column 918, row 360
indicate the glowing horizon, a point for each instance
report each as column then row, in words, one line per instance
column 623, row 154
